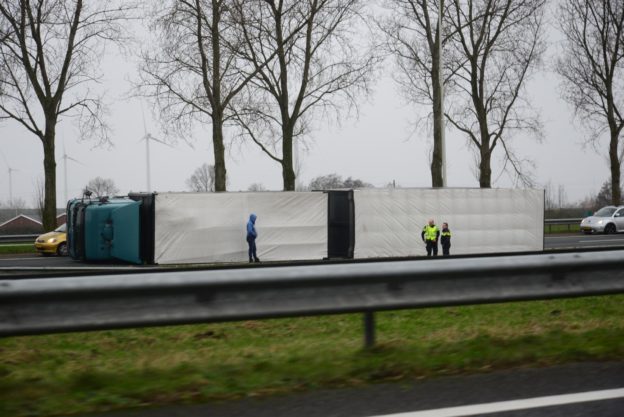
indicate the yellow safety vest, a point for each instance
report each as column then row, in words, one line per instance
column 431, row 232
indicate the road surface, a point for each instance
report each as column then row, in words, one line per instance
column 52, row 263
column 591, row 389
column 580, row 241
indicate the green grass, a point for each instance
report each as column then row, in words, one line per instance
column 562, row 228
column 17, row 248
column 107, row 370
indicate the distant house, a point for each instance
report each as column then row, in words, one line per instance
column 21, row 225
column 7, row 214
column 61, row 219
column 26, row 224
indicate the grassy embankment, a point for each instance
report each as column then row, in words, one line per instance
column 98, row 371
column 17, row 248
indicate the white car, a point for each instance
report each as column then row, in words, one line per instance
column 607, row 220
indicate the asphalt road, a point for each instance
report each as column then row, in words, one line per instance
column 477, row 395
column 55, row 263
column 580, row 241
column 51, row 263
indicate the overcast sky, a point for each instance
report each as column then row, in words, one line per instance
column 378, row 147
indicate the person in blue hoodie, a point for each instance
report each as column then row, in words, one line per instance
column 251, row 238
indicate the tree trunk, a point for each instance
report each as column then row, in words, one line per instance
column 485, row 169
column 616, row 196
column 49, row 169
column 436, row 160
column 219, row 150
column 476, row 93
column 485, row 164
column 288, row 173
column 217, row 107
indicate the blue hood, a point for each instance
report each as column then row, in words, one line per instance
column 251, row 229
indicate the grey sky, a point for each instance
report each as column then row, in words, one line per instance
column 377, row 148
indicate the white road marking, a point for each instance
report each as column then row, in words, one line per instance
column 502, row 406
column 25, row 258
column 558, row 237
column 589, row 239
column 601, row 245
column 600, row 240
column 80, row 268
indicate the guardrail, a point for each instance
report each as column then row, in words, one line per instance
column 40, row 306
column 18, row 238
column 554, row 222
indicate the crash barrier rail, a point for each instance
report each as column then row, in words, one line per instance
column 40, row 306
column 569, row 222
column 18, row 238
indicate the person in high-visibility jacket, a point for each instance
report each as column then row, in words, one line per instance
column 430, row 235
column 445, row 239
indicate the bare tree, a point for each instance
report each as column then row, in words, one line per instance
column 501, row 41
column 49, row 52
column 562, row 197
column 549, row 197
column 413, row 38
column 202, row 180
column 604, row 197
column 195, row 71
column 102, row 187
column 554, row 198
column 317, row 65
column 16, row 204
column 326, row 182
column 256, row 186
column 592, row 69
column 335, row 181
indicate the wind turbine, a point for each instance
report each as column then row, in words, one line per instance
column 65, row 158
column 11, row 170
column 147, row 137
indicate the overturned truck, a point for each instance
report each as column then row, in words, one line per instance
column 179, row 228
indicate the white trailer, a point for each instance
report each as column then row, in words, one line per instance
column 371, row 223
column 211, row 227
column 389, row 222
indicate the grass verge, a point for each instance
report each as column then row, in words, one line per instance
column 17, row 248
column 562, row 228
column 102, row 371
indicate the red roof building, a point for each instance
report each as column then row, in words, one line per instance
column 27, row 225
column 21, row 225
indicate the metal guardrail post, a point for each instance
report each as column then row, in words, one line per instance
column 369, row 329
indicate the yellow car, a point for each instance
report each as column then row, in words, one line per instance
column 53, row 242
